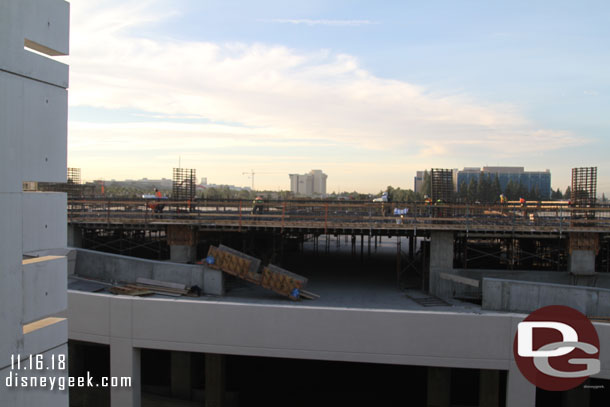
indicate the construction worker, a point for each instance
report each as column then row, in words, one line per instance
column 258, row 205
column 503, row 199
column 158, row 193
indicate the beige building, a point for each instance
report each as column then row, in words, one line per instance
column 311, row 184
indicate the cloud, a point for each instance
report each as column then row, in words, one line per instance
column 331, row 23
column 277, row 94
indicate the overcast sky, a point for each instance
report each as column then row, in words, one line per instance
column 368, row 92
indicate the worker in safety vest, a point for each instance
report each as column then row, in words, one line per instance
column 158, row 193
column 258, row 205
column 503, row 199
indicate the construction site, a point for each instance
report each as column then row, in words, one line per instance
column 440, row 267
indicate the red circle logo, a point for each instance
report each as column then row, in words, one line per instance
column 556, row 348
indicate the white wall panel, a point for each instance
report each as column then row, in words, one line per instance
column 44, row 221
column 44, row 132
column 44, row 287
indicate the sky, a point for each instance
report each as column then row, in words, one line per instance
column 368, row 92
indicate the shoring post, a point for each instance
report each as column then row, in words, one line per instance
column 283, row 214
column 108, row 212
column 325, row 218
column 240, row 215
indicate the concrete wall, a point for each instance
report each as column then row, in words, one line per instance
column 440, row 339
column 600, row 280
column 113, row 267
column 521, row 296
column 33, row 140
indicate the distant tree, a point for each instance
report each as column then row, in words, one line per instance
column 568, row 193
column 463, row 192
column 604, row 199
column 534, row 194
column 511, row 190
column 472, row 190
column 496, row 189
column 426, row 184
column 556, row 194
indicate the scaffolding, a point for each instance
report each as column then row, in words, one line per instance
column 184, row 184
column 584, row 190
column 74, row 176
column 72, row 187
column 584, row 186
column 441, row 181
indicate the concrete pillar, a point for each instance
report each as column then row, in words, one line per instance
column 577, row 397
column 180, row 376
column 182, row 253
column 75, row 237
column 214, row 380
column 182, row 241
column 125, row 362
column 581, row 262
column 489, row 388
column 441, row 261
column 519, row 391
column 439, row 386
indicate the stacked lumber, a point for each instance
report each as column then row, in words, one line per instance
column 128, row 290
column 145, row 286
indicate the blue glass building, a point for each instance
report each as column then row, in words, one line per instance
column 539, row 180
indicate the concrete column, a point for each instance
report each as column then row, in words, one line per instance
column 181, row 383
column 441, row 261
column 519, row 391
column 182, row 253
column 214, row 380
column 489, row 388
column 439, row 386
column 182, row 241
column 577, row 397
column 125, row 362
column 75, row 237
column 581, row 262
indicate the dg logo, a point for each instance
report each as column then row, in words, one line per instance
column 556, row 348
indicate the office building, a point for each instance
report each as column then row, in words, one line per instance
column 530, row 180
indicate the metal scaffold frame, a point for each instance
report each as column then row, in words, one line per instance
column 184, row 183
column 584, row 186
column 441, row 181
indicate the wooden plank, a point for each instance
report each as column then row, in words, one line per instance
column 147, row 281
column 124, row 290
column 309, row 295
column 158, row 289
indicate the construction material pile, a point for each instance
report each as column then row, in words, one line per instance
column 246, row 267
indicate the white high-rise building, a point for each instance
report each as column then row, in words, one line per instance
column 33, row 137
column 311, row 184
